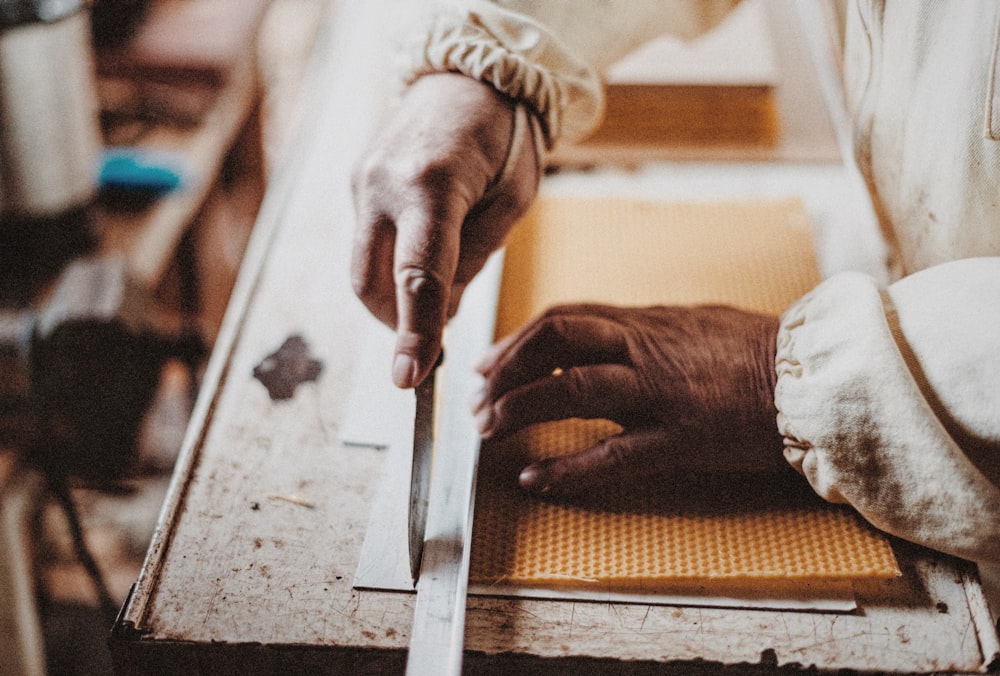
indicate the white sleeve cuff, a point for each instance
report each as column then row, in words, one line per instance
column 519, row 58
column 867, row 420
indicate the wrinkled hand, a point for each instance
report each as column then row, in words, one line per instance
column 692, row 388
column 424, row 229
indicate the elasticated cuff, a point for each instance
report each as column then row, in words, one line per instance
column 857, row 425
column 520, row 59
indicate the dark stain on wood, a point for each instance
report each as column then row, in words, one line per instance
column 283, row 371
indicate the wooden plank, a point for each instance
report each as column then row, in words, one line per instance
column 250, row 570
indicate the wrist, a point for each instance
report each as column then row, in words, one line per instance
column 766, row 349
column 519, row 58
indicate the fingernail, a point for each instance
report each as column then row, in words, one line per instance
column 404, row 371
column 533, row 479
column 484, row 421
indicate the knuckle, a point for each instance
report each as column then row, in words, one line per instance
column 437, row 175
column 420, row 282
column 513, row 200
column 556, row 331
column 551, row 323
column 440, row 186
column 574, row 386
column 414, row 277
column 443, row 186
column 616, row 451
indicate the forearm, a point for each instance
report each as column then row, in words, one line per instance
column 888, row 399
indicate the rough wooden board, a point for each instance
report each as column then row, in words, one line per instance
column 278, row 448
column 228, row 588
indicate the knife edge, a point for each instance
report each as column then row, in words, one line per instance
column 420, row 471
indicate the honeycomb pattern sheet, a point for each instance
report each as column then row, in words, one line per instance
column 722, row 533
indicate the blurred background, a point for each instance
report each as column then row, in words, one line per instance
column 136, row 140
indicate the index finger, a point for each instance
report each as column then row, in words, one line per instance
column 426, row 258
column 609, row 391
column 562, row 338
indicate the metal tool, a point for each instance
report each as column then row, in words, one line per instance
column 436, row 641
column 420, row 474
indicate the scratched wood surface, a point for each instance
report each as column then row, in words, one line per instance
column 251, row 567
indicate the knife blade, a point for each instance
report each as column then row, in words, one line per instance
column 420, row 472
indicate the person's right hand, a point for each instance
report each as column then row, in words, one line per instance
column 435, row 195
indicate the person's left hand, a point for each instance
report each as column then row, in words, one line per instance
column 693, row 389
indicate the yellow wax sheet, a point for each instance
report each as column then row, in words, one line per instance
column 756, row 255
column 711, row 532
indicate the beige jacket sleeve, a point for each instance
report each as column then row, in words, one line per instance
column 889, row 399
column 550, row 54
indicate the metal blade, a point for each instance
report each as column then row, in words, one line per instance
column 420, row 474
